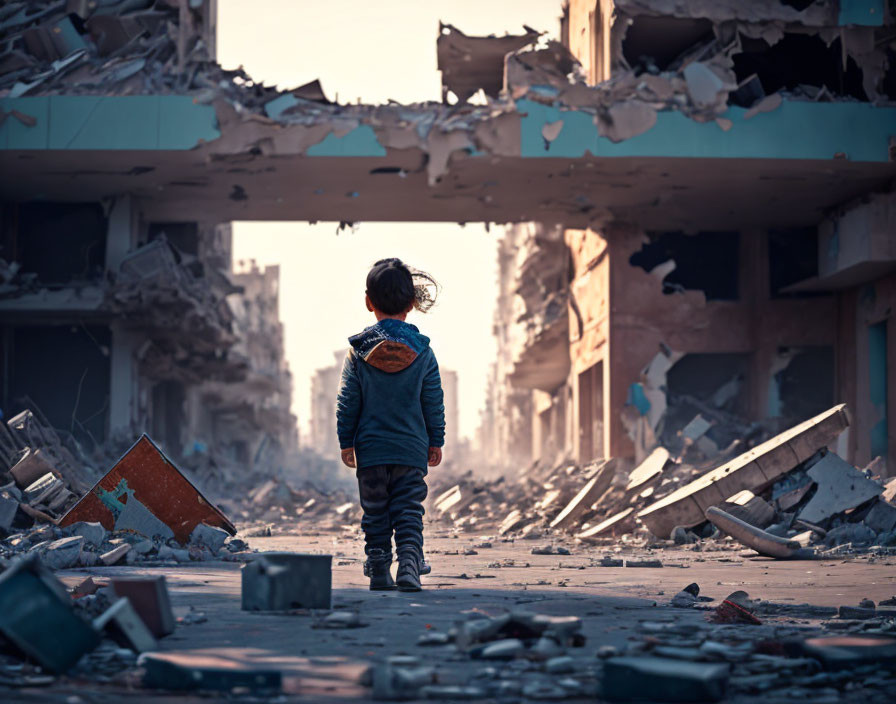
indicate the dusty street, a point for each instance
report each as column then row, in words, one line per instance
column 619, row 606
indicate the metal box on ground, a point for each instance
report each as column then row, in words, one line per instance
column 36, row 615
column 149, row 597
column 280, row 581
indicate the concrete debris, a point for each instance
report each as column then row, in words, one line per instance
column 753, row 470
column 36, row 616
column 284, row 581
column 149, row 598
column 840, row 487
column 126, row 627
column 186, row 671
column 629, row 679
column 762, row 542
column 61, row 553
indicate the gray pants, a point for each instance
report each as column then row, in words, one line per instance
column 392, row 498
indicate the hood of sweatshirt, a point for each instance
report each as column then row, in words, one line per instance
column 390, row 345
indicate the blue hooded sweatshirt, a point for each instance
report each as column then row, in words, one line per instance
column 390, row 406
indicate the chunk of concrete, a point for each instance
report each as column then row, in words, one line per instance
column 43, row 488
column 591, row 492
column 881, row 518
column 126, row 627
column 8, row 508
column 848, row 652
column 36, row 615
column 150, row 599
column 630, row 679
column 196, row 671
column 93, row 533
column 840, row 487
column 115, row 555
column 649, row 470
column 62, row 553
column 703, row 84
column 762, row 542
column 33, row 465
column 280, row 581
column 755, row 470
column 210, row 536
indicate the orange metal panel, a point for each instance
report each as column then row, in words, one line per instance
column 145, row 476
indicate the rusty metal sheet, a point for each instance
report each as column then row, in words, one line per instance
column 145, row 492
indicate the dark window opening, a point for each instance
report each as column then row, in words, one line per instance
column 705, row 261
column 798, row 5
column 591, row 413
column 888, row 84
column 705, row 391
column 806, row 385
column 61, row 243
column 792, row 257
column 64, row 370
column 798, row 59
column 168, row 417
column 184, row 236
column 658, row 41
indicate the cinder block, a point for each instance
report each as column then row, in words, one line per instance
column 149, row 597
column 279, row 581
column 632, row 679
column 126, row 627
column 180, row 671
column 36, row 615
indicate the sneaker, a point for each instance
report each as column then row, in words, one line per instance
column 378, row 568
column 408, row 575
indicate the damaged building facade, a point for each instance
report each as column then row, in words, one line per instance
column 673, row 328
column 116, row 320
column 711, row 186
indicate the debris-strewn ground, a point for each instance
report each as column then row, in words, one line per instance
column 623, row 610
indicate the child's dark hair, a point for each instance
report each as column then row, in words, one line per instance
column 393, row 286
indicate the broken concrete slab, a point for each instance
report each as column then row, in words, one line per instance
column 607, row 525
column 198, row 671
column 149, row 479
column 840, row 487
column 648, row 471
column 210, row 536
column 848, row 652
column 126, row 627
column 62, row 553
column 150, row 599
column 591, row 492
column 753, row 470
column 115, row 555
column 36, row 615
column 753, row 537
column 627, row 679
column 93, row 533
column 881, row 518
column 280, row 581
column 8, row 509
column 34, row 465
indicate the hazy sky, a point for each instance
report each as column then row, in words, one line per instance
column 375, row 51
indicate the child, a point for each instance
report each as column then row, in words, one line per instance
column 390, row 418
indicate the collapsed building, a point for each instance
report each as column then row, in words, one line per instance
column 614, row 338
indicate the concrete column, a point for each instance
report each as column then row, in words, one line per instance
column 123, row 384
column 121, row 236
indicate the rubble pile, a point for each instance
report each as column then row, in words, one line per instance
column 114, row 48
column 805, row 501
column 161, row 289
column 44, row 471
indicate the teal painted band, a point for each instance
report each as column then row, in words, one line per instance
column 866, row 13
column 795, row 130
column 134, row 122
